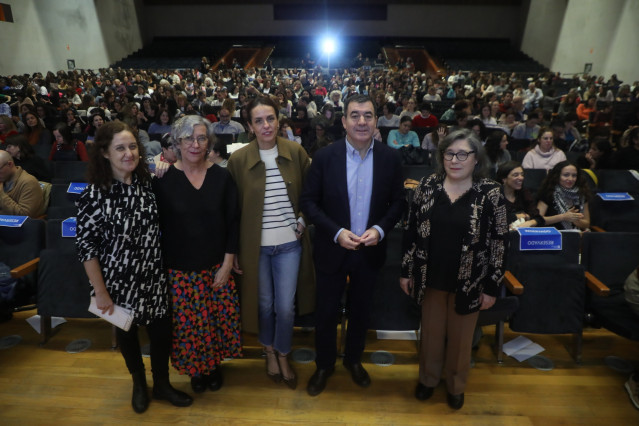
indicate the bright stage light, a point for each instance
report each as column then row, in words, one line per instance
column 328, row 45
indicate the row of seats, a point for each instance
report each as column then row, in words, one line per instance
column 544, row 292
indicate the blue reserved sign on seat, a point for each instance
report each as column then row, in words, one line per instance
column 76, row 187
column 615, row 196
column 69, row 227
column 12, row 221
column 539, row 239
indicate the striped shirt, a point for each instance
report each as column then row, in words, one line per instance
column 278, row 216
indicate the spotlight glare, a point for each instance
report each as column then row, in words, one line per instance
column 328, row 45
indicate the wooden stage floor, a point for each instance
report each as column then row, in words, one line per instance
column 48, row 386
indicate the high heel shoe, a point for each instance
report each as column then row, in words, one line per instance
column 291, row 382
column 271, row 359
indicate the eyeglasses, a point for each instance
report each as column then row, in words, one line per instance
column 190, row 140
column 2, row 167
column 461, row 155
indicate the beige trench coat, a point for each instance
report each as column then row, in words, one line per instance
column 249, row 174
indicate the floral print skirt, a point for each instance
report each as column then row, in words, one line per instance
column 206, row 321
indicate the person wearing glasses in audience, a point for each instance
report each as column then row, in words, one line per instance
column 275, row 257
column 453, row 262
column 199, row 220
column 118, row 242
column 226, row 126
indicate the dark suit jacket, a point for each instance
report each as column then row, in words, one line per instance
column 325, row 203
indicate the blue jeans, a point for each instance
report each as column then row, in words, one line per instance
column 277, row 283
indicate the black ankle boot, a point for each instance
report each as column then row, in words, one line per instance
column 162, row 389
column 140, row 398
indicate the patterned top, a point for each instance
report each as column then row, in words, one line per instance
column 120, row 228
column 481, row 264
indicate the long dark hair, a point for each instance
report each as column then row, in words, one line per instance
column 65, row 132
column 547, row 187
column 99, row 171
column 493, row 143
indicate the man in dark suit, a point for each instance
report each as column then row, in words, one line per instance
column 353, row 195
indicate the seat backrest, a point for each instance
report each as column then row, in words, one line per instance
column 20, row 245
column 533, row 179
column 69, row 171
column 617, row 181
column 553, row 301
column 569, row 254
column 611, row 256
column 63, row 286
column 391, row 309
column 54, row 238
column 60, row 196
column 615, row 216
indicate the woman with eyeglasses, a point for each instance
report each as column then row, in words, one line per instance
column 453, row 261
column 199, row 220
column 274, row 257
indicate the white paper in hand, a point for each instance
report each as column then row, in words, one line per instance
column 121, row 317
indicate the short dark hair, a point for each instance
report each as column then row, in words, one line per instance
column 475, row 145
column 405, row 118
column 359, row 99
column 21, row 141
column 504, row 170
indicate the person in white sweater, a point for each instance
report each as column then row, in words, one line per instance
column 545, row 154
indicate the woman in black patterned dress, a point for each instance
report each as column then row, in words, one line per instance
column 118, row 242
column 453, row 260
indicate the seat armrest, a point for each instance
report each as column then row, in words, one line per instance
column 25, row 268
column 593, row 283
column 596, row 228
column 513, row 284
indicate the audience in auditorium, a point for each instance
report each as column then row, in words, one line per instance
column 76, row 104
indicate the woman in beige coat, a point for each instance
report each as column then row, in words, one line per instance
column 274, row 257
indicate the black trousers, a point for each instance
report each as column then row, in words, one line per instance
column 159, row 332
column 330, row 288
